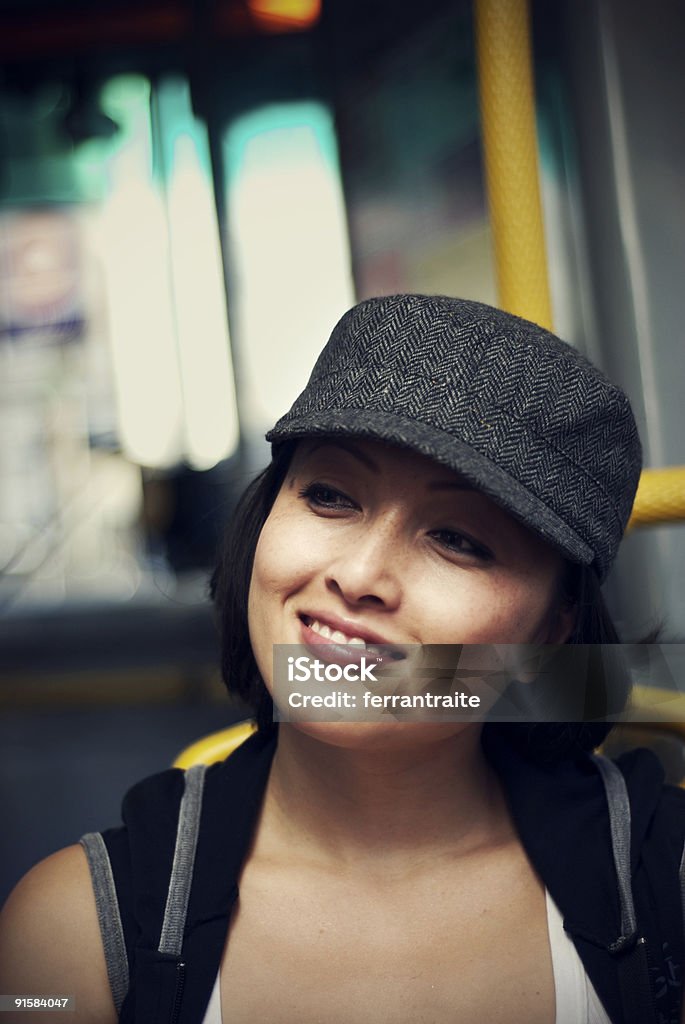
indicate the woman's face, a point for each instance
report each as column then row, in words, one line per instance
column 369, row 539
column 384, row 544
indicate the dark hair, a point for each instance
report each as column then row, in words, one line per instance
column 229, row 590
column 230, row 585
column 606, row 680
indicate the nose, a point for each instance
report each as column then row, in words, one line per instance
column 369, row 571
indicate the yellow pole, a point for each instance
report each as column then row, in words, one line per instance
column 660, row 497
column 507, row 100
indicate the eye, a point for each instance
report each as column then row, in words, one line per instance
column 322, row 496
column 462, row 545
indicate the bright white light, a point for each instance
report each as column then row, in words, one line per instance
column 133, row 245
column 290, row 250
column 211, row 419
column 162, row 260
column 134, row 255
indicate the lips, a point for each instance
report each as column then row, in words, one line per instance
column 344, row 642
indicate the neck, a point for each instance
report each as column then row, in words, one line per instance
column 357, row 804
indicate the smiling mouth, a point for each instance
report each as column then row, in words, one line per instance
column 335, row 637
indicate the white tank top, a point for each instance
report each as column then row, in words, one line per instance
column 576, row 999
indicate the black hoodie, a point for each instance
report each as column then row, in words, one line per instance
column 562, row 817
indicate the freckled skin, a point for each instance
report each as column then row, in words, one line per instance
column 376, row 550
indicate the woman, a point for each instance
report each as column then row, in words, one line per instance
column 450, row 475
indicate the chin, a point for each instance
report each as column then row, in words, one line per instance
column 378, row 737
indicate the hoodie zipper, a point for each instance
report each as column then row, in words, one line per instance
column 178, row 992
column 651, row 968
column 181, row 973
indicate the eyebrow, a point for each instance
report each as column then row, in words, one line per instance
column 366, row 460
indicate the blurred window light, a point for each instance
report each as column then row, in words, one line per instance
column 134, row 251
column 114, row 348
column 204, row 355
column 281, row 15
column 162, row 260
column 289, row 250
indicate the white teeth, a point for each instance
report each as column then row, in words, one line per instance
column 336, row 635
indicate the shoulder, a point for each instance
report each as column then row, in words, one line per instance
column 668, row 825
column 222, row 796
column 672, row 806
column 657, row 805
column 50, row 937
column 158, row 796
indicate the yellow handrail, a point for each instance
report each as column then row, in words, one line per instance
column 507, row 98
column 660, row 497
column 216, row 746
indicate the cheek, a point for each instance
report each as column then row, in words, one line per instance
column 480, row 609
column 282, row 565
column 523, row 610
column 271, row 571
column 268, row 567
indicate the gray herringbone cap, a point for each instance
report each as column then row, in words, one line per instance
column 522, row 415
